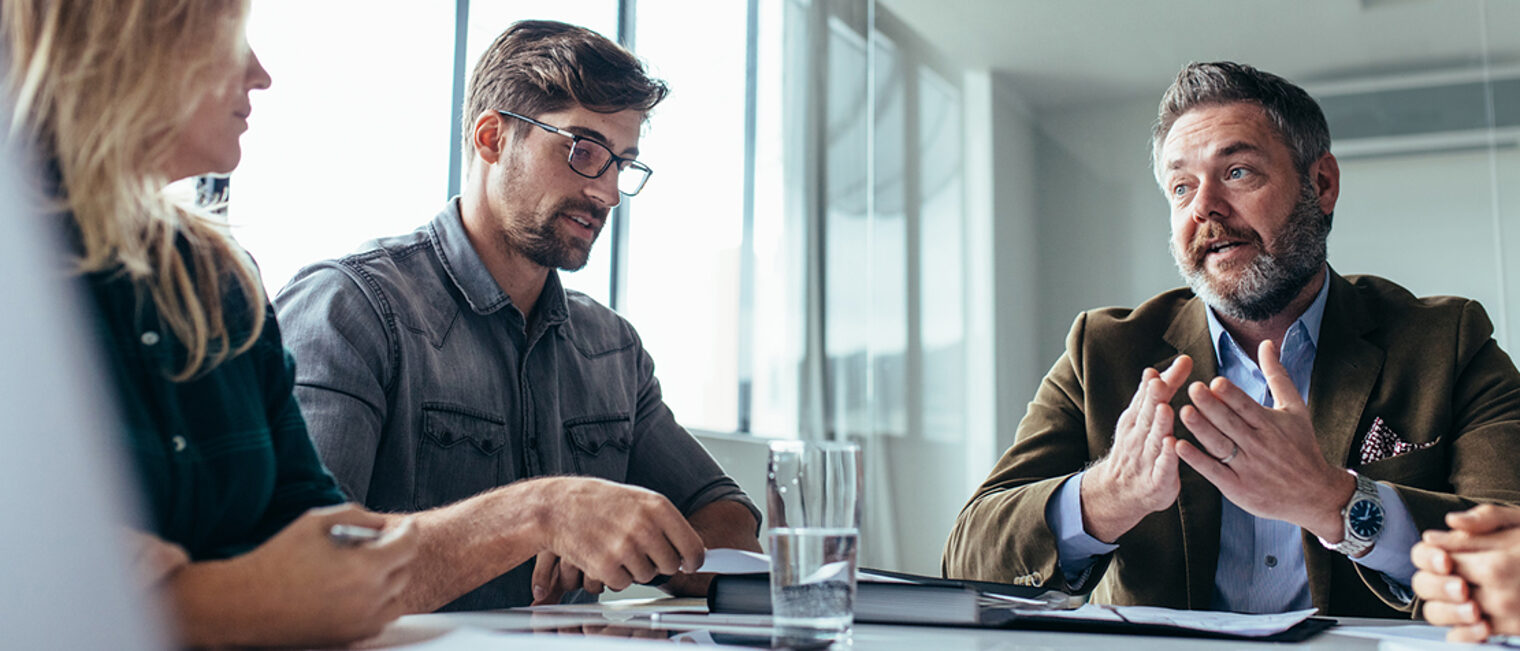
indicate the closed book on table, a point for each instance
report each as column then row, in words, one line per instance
column 883, row 597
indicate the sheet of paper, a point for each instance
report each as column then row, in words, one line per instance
column 1219, row 622
column 738, row 561
column 1007, row 600
column 1087, row 612
column 735, row 561
column 628, row 606
column 1201, row 620
column 473, row 639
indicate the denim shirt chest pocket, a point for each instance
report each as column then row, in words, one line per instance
column 600, row 445
column 462, row 452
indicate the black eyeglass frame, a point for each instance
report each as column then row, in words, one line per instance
column 624, row 164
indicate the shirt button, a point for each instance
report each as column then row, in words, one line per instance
column 1271, row 561
column 179, row 443
column 149, row 338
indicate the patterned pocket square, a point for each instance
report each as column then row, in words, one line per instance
column 1381, row 443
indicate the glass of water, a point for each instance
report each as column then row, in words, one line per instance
column 813, row 500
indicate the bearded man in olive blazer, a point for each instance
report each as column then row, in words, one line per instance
column 1326, row 421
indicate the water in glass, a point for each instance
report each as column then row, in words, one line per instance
column 811, row 587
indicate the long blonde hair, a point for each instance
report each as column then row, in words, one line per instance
column 101, row 90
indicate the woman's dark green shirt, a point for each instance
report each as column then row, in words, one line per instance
column 223, row 460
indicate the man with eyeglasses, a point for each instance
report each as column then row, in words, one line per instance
column 449, row 365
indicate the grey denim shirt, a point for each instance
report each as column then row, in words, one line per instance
column 422, row 384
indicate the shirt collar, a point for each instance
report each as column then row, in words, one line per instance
column 475, row 282
column 1310, row 320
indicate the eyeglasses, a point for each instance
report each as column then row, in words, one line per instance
column 591, row 159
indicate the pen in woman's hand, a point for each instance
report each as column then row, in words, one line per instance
column 348, row 535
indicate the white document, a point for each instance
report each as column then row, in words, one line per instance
column 624, row 608
column 475, row 639
column 737, row 561
column 1198, row 620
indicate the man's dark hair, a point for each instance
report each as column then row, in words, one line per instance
column 542, row 66
column 1296, row 116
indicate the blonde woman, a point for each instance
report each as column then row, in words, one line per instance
column 116, row 99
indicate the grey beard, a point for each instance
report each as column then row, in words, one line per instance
column 1272, row 280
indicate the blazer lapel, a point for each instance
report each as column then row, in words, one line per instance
column 1198, row 502
column 1346, row 366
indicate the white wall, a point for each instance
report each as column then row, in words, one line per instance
column 1426, row 221
column 1104, row 224
column 1018, row 268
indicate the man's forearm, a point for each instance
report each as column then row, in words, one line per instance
column 468, row 543
column 724, row 523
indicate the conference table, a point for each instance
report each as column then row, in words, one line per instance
column 640, row 624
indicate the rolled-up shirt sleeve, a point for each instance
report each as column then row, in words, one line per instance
column 667, row 459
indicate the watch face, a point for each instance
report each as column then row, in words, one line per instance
column 1365, row 518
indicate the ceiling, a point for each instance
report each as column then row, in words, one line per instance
column 1059, row 53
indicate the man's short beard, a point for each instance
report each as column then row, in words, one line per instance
column 544, row 247
column 536, row 236
column 540, row 241
column 1272, row 279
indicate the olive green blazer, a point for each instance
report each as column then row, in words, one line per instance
column 1429, row 367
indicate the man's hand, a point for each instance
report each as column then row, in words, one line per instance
column 553, row 577
column 1275, row 468
column 1138, row 476
column 616, row 534
column 299, row 587
column 724, row 523
column 1470, row 577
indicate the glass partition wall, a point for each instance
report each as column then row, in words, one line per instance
column 1423, row 100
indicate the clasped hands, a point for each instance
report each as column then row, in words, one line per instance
column 1265, row 460
column 1469, row 576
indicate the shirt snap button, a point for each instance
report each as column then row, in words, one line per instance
column 149, row 338
column 179, row 443
column 1271, row 561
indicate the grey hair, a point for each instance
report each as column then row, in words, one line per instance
column 1293, row 113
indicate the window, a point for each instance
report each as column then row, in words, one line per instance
column 348, row 150
column 685, row 228
column 796, row 265
column 793, row 265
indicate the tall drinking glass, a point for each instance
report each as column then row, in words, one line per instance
column 813, row 507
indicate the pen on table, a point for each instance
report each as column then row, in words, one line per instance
column 348, row 535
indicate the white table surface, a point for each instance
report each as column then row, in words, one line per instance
column 605, row 627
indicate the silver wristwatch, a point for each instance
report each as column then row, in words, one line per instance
column 1362, row 519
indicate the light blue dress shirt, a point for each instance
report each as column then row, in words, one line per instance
column 1261, row 561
